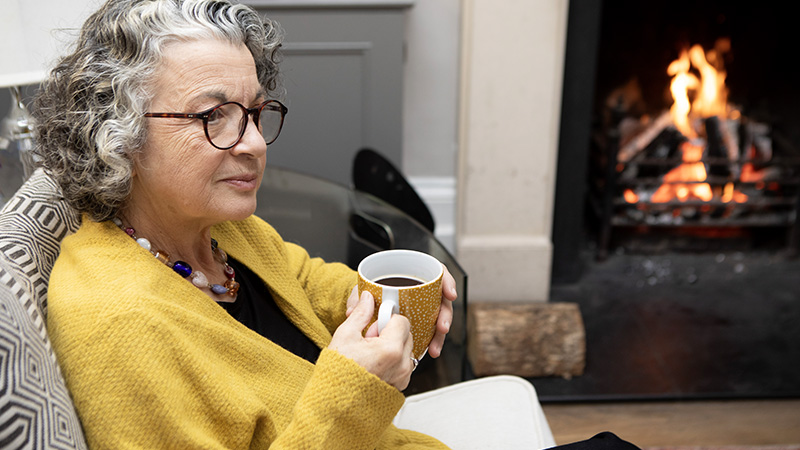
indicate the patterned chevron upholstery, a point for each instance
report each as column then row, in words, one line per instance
column 36, row 411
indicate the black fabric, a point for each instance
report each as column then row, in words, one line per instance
column 602, row 441
column 256, row 309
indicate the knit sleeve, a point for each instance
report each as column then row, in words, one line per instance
column 342, row 407
column 327, row 285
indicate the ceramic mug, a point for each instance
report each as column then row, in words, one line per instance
column 404, row 282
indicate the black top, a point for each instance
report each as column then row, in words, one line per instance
column 256, row 309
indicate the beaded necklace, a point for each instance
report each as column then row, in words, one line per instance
column 199, row 279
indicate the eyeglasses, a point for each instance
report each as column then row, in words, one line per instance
column 226, row 123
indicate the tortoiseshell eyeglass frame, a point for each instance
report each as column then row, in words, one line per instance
column 255, row 113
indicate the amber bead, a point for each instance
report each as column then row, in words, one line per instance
column 233, row 287
column 162, row 256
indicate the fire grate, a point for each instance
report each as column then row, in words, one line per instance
column 702, row 163
column 756, row 184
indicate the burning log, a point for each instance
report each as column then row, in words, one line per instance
column 717, row 147
column 639, row 142
column 756, row 139
column 650, row 162
column 730, row 135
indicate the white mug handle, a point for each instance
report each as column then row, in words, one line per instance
column 389, row 305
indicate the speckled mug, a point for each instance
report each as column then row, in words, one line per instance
column 419, row 303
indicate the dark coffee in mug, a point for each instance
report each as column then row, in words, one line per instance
column 399, row 281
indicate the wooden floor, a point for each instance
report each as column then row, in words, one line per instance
column 690, row 423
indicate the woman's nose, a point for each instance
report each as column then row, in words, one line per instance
column 252, row 141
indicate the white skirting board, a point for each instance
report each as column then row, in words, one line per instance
column 439, row 193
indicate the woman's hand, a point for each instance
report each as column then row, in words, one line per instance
column 388, row 356
column 449, row 295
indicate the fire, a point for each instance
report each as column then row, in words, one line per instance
column 682, row 82
column 696, row 97
column 712, row 100
column 729, row 194
column 710, row 93
column 685, row 181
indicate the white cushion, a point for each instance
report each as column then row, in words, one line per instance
column 501, row 412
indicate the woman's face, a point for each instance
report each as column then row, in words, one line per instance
column 180, row 178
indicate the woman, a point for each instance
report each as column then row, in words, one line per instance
column 156, row 128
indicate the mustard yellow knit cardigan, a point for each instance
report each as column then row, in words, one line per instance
column 152, row 362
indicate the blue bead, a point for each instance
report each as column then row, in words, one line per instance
column 218, row 289
column 182, row 268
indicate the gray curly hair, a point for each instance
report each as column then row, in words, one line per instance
column 88, row 113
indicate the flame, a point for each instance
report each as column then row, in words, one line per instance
column 685, row 181
column 712, row 99
column 710, row 93
column 710, row 96
column 682, row 82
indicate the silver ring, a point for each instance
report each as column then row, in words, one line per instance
column 416, row 363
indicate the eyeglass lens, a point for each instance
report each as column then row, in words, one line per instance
column 271, row 121
column 227, row 123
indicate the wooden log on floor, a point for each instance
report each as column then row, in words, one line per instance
column 527, row 340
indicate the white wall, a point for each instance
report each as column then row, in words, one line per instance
column 430, row 115
column 430, row 128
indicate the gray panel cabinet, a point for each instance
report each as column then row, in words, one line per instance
column 343, row 79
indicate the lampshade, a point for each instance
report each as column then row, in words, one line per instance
column 33, row 33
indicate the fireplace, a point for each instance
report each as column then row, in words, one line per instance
column 697, row 287
column 703, row 168
column 644, row 164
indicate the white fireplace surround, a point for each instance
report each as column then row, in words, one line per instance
column 499, row 202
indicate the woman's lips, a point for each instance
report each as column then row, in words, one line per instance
column 245, row 182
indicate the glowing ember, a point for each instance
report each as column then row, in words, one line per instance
column 630, row 196
column 684, row 182
column 729, row 195
column 750, row 174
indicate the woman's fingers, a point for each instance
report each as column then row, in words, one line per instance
column 352, row 301
column 363, row 309
column 445, row 319
column 449, row 290
column 398, row 331
column 388, row 355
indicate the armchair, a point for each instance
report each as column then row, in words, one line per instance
column 36, row 410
